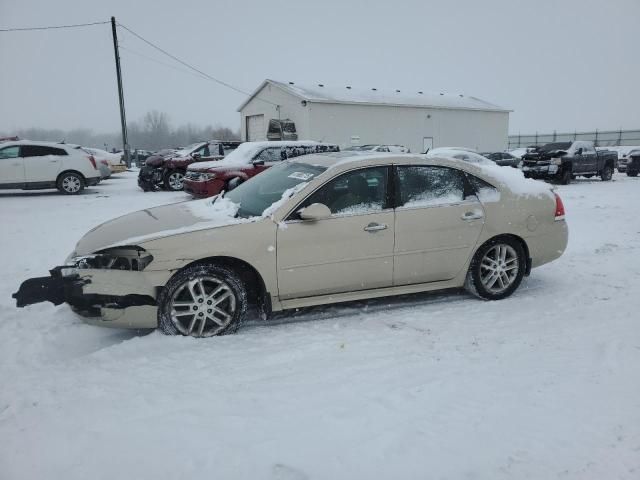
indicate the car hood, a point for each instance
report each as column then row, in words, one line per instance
column 153, row 223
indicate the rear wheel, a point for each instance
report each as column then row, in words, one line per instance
column 632, row 173
column 202, row 301
column 70, row 183
column 173, row 180
column 497, row 269
column 606, row 174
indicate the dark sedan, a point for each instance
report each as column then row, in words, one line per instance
column 504, row 159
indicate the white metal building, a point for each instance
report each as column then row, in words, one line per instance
column 349, row 115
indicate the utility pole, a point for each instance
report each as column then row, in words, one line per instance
column 123, row 117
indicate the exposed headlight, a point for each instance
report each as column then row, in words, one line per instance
column 556, row 161
column 208, row 176
column 119, row 258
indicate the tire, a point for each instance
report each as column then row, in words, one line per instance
column 173, row 180
column 70, row 183
column 606, row 174
column 632, row 173
column 233, row 183
column 183, row 294
column 566, row 177
column 480, row 277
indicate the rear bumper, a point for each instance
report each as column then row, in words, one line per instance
column 111, row 298
column 203, row 189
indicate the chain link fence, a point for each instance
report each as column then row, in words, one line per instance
column 601, row 138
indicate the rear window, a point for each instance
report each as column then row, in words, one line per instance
column 41, row 151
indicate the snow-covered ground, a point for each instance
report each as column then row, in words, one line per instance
column 545, row 384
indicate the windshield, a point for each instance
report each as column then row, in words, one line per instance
column 259, row 193
column 550, row 147
column 183, row 152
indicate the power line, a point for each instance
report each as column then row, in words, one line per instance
column 173, row 57
column 155, row 60
column 51, row 27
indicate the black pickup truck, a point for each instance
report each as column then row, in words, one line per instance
column 564, row 161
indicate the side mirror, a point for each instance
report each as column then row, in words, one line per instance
column 314, row 212
column 196, row 156
column 257, row 163
column 579, row 151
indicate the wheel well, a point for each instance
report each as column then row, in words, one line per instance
column 522, row 243
column 567, row 166
column 70, row 171
column 256, row 289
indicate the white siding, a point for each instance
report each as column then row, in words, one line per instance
column 408, row 126
column 290, row 107
column 338, row 123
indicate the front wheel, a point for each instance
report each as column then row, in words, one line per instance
column 173, row 180
column 632, row 173
column 497, row 269
column 606, row 174
column 70, row 183
column 202, row 301
column 566, row 177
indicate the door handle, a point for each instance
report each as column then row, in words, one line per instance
column 472, row 215
column 375, row 227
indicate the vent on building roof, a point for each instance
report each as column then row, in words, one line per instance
column 420, row 93
column 397, row 91
column 348, row 87
column 442, row 94
column 291, row 83
column 321, row 85
column 461, row 95
column 374, row 89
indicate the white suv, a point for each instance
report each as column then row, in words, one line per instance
column 31, row 165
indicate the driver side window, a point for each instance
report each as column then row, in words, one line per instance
column 9, row 152
column 356, row 192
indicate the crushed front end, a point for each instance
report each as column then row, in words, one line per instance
column 107, row 288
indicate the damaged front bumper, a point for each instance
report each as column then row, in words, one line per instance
column 116, row 298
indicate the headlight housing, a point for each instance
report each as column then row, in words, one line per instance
column 133, row 259
column 556, row 161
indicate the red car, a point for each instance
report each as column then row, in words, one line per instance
column 205, row 179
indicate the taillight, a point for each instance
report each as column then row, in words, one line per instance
column 559, row 208
column 104, row 162
column 93, row 162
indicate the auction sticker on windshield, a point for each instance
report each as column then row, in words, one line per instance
column 301, row 176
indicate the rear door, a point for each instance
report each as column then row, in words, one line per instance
column 42, row 163
column 11, row 165
column 349, row 251
column 437, row 225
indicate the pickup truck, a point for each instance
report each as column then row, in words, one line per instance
column 564, row 161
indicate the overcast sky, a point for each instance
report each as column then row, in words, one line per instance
column 563, row 65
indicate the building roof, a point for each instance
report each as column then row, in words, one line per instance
column 324, row 93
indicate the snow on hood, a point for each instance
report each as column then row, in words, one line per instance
column 158, row 222
column 168, row 220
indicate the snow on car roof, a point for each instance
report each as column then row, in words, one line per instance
column 245, row 152
column 325, row 93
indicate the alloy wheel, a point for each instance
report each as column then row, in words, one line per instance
column 175, row 181
column 71, row 184
column 202, row 306
column 499, row 268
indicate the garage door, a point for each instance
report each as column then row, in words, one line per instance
column 256, row 131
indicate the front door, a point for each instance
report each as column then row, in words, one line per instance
column 438, row 222
column 11, row 166
column 351, row 250
column 427, row 144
